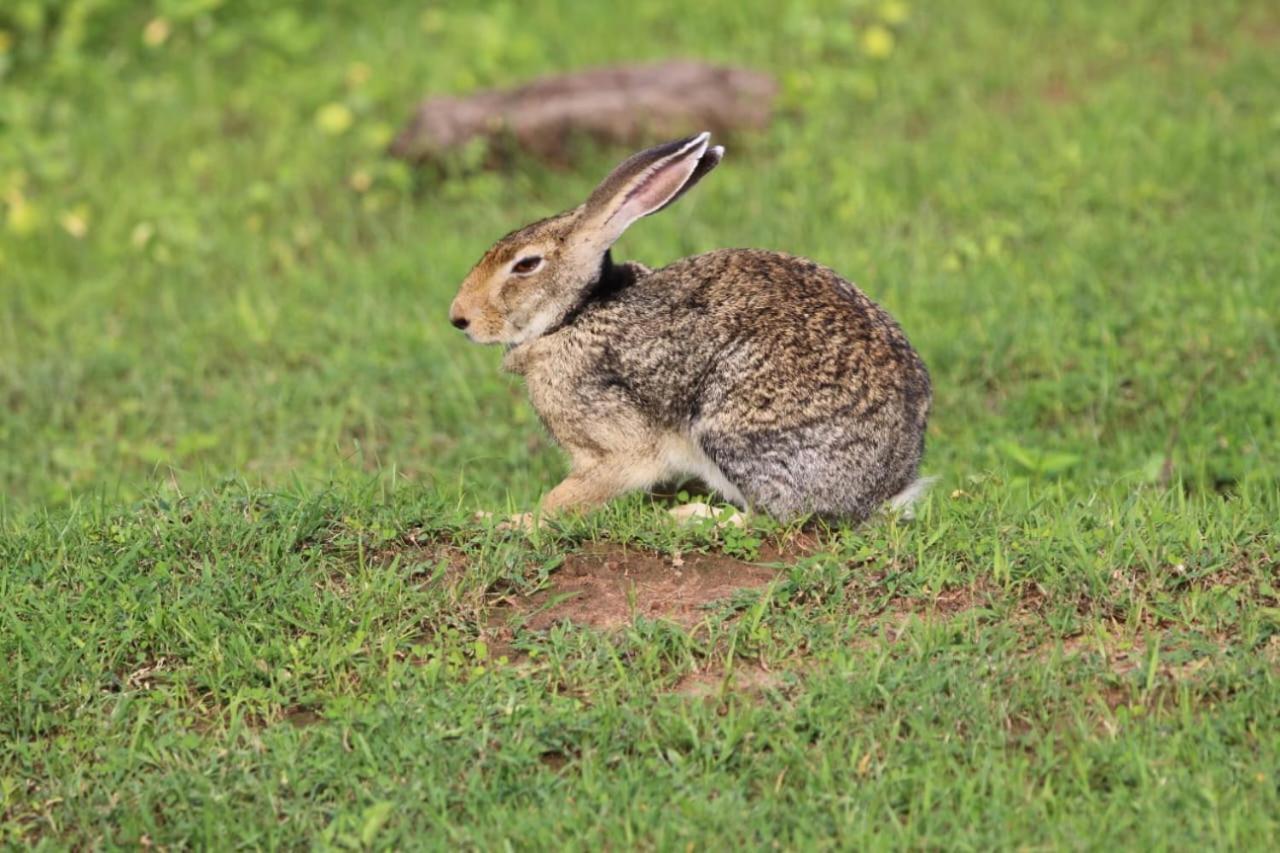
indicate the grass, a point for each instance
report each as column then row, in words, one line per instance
column 243, row 600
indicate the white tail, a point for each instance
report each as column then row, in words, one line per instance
column 905, row 500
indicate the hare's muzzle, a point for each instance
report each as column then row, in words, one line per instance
column 458, row 314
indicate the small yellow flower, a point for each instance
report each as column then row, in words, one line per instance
column 360, row 181
column 334, row 119
column 142, row 234
column 6, row 41
column 894, row 12
column 75, row 221
column 358, row 74
column 877, row 42
column 156, row 32
column 23, row 217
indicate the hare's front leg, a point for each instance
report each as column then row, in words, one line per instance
column 599, row 481
column 591, row 485
column 584, row 489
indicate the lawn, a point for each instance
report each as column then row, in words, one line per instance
column 244, row 599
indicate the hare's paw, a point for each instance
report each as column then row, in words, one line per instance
column 697, row 511
column 520, row 521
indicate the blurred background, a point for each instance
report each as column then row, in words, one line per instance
column 210, row 268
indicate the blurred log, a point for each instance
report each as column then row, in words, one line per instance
column 626, row 104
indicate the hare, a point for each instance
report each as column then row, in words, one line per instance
column 769, row 377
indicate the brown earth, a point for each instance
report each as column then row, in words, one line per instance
column 606, row 587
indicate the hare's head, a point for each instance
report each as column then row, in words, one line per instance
column 533, row 278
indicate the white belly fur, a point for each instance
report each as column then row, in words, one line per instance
column 685, row 458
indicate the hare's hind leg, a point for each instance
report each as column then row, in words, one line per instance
column 794, row 472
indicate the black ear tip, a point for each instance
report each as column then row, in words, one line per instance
column 708, row 161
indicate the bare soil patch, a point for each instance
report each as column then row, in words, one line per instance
column 608, row 586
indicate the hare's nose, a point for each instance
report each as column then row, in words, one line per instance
column 459, row 322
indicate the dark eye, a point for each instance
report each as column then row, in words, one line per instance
column 524, row 266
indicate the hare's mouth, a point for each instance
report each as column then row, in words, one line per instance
column 537, row 325
column 477, row 337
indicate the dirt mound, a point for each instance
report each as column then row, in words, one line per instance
column 606, row 587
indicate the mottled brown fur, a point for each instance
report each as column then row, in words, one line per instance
column 769, row 376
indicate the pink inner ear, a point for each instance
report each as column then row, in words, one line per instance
column 655, row 190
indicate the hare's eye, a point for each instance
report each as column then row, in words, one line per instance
column 524, row 266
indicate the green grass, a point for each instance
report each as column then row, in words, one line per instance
column 242, row 597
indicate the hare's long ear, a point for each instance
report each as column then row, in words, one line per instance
column 646, row 183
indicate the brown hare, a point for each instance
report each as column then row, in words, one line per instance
column 770, row 377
